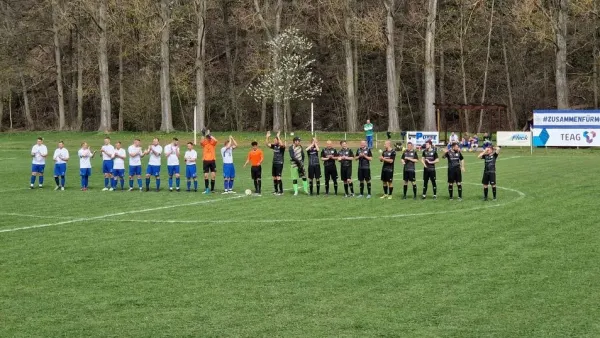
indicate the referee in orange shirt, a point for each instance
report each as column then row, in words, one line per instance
column 255, row 158
column 209, row 161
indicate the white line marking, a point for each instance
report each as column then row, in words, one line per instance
column 7, row 158
column 116, row 214
column 15, row 189
column 33, row 216
column 520, row 193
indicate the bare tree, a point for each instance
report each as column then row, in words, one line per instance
column 390, row 56
column 105, row 108
column 27, row 111
column 430, row 121
column 351, row 109
column 57, row 57
column 487, row 63
column 562, row 86
column 79, row 122
column 165, row 74
column 200, row 6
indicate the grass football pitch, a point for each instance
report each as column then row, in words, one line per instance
column 96, row 263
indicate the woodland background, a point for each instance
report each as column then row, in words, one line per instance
column 142, row 65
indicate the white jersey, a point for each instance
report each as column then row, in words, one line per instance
column 227, row 155
column 191, row 156
column 171, row 152
column 85, row 158
column 155, row 158
column 109, row 150
column 119, row 163
column 135, row 156
column 61, row 155
column 38, row 152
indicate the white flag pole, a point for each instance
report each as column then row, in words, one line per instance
column 195, row 125
column 312, row 118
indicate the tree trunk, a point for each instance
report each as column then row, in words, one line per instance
column 442, row 81
column 59, row 80
column 562, row 86
column 485, row 72
column 105, row 108
column 430, row 122
column 351, row 111
column 463, row 72
column 276, row 100
column 513, row 117
column 73, row 86
column 79, row 124
column 10, row 119
column 390, row 58
column 29, row 119
column 1, row 111
column 596, row 58
column 166, row 124
column 200, row 61
column 121, row 95
column 230, row 66
column 263, row 115
column 288, row 115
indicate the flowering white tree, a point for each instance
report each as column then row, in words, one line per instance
column 292, row 77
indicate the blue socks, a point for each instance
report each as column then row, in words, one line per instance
column 148, row 183
column 32, row 179
column 131, row 183
column 195, row 185
column 62, row 181
column 41, row 179
column 170, row 182
column 189, row 184
column 157, row 183
column 177, row 182
column 140, row 182
column 106, row 179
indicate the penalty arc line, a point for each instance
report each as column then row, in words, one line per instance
column 354, row 218
column 116, row 214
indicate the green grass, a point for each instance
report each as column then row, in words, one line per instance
column 113, row 264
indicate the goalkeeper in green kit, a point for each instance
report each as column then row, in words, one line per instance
column 297, row 160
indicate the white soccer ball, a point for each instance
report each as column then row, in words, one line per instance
column 380, row 151
column 291, row 134
column 248, row 192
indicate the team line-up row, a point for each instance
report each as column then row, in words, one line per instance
column 113, row 166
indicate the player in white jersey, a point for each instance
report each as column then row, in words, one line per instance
column 61, row 157
column 135, row 163
column 172, row 155
column 85, row 164
column 108, row 152
column 191, row 172
column 118, row 167
column 155, row 151
column 228, row 167
column 38, row 163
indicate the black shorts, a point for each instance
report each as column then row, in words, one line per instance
column 314, row 171
column 428, row 175
column 454, row 175
column 346, row 173
column 330, row 172
column 364, row 174
column 409, row 175
column 209, row 167
column 387, row 176
column 256, row 172
column 489, row 178
column 276, row 170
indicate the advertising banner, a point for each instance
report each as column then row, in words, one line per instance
column 513, row 138
column 420, row 137
column 566, row 128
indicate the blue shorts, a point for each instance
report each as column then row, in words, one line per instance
column 135, row 170
column 85, row 172
column 118, row 172
column 107, row 166
column 60, row 169
column 228, row 170
column 38, row 168
column 153, row 170
column 173, row 169
column 190, row 171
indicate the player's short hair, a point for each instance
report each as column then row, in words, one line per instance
column 156, row 138
column 40, row 138
column 429, row 141
column 107, row 137
column 409, row 143
column 192, row 143
column 82, row 143
column 118, row 142
column 61, row 141
column 254, row 143
column 175, row 139
column 137, row 139
column 454, row 144
column 342, row 141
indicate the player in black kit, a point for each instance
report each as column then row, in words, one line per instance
column 489, row 155
column 345, row 157
column 278, row 156
column 429, row 159
column 314, row 165
column 388, row 157
column 456, row 166
column 363, row 156
column 409, row 158
column 329, row 155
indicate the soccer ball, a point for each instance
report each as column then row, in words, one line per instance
column 292, row 134
column 380, row 151
column 248, row 192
